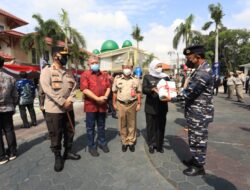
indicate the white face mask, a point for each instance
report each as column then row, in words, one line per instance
column 158, row 70
column 126, row 72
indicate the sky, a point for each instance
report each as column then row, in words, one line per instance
column 100, row 20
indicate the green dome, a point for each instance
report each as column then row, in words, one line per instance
column 126, row 43
column 96, row 51
column 109, row 45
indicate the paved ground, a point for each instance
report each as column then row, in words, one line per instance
column 33, row 169
column 228, row 157
column 228, row 160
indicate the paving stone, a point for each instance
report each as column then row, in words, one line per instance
column 177, row 176
column 105, row 180
column 164, row 172
column 74, row 183
column 30, row 183
column 186, row 186
column 57, row 187
column 206, row 188
column 197, row 180
column 169, row 165
column 10, row 187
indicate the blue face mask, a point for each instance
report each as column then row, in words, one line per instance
column 95, row 67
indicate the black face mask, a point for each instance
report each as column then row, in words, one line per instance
column 63, row 60
column 190, row 64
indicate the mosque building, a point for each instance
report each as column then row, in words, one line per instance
column 112, row 57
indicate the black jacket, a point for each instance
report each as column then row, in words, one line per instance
column 153, row 105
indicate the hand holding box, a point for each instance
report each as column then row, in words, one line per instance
column 166, row 89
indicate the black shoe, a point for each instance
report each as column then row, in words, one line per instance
column 93, row 152
column 194, row 171
column 59, row 163
column 131, row 148
column 161, row 150
column 12, row 156
column 151, row 149
column 71, row 156
column 34, row 124
column 104, row 148
column 3, row 160
column 26, row 126
column 114, row 116
column 124, row 148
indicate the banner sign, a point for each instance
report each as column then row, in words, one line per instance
column 216, row 69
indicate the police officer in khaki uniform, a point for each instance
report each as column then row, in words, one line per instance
column 230, row 85
column 239, row 84
column 59, row 87
column 127, row 100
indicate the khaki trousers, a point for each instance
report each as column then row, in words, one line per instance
column 127, row 122
column 239, row 92
column 230, row 91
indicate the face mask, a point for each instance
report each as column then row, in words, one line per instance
column 126, row 72
column 95, row 67
column 158, row 70
column 63, row 60
column 190, row 64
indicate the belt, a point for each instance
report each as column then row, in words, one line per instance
column 127, row 102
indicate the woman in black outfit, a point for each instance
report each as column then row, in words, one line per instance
column 155, row 109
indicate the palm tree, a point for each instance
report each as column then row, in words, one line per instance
column 136, row 34
column 73, row 39
column 184, row 31
column 49, row 28
column 216, row 15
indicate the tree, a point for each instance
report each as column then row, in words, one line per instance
column 49, row 28
column 136, row 34
column 216, row 13
column 73, row 39
column 184, row 31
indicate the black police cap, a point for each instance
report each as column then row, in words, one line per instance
column 196, row 49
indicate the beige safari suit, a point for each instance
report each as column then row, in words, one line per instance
column 239, row 88
column 126, row 90
column 58, row 85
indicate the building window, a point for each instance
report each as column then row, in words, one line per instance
column 1, row 28
column 33, row 55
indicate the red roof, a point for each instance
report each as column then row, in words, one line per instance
column 12, row 20
column 6, row 56
column 12, row 33
column 166, row 66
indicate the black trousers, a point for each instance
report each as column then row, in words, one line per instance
column 59, row 127
column 225, row 89
column 23, row 114
column 7, row 127
column 155, row 125
column 110, row 106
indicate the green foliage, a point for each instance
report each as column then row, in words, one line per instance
column 148, row 60
column 234, row 48
column 49, row 28
column 136, row 35
column 184, row 31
